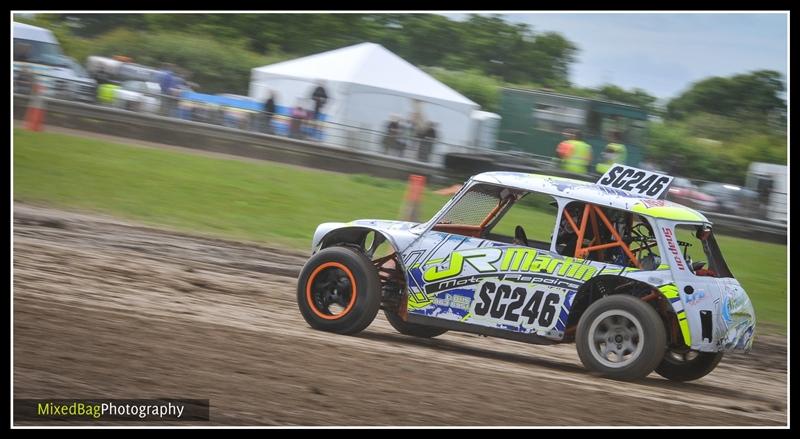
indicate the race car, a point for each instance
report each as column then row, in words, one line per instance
column 616, row 276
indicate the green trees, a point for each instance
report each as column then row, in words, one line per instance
column 751, row 97
column 717, row 127
column 218, row 67
column 637, row 97
column 676, row 150
column 483, row 89
column 514, row 52
column 511, row 52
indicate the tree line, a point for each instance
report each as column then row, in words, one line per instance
column 511, row 52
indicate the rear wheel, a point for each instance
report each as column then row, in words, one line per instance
column 688, row 366
column 411, row 329
column 621, row 337
column 339, row 291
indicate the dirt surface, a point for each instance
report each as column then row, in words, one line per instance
column 108, row 309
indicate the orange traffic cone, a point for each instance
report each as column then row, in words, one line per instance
column 416, row 184
column 34, row 116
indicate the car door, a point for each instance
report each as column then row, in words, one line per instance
column 487, row 285
column 694, row 298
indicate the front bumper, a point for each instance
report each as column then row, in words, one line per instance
column 736, row 319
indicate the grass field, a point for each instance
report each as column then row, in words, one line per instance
column 275, row 203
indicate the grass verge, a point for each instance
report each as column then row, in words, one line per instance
column 275, row 203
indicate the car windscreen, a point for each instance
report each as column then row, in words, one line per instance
column 76, row 68
column 474, row 207
column 38, row 52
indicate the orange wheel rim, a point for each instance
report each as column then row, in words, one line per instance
column 353, row 291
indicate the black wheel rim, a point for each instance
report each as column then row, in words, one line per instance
column 331, row 291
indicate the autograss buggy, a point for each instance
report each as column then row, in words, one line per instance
column 614, row 273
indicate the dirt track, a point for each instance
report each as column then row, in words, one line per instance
column 108, row 309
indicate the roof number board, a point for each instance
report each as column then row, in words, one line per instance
column 646, row 184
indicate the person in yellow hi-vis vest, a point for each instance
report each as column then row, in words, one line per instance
column 564, row 149
column 106, row 93
column 615, row 152
column 579, row 155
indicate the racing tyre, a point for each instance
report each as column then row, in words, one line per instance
column 339, row 291
column 411, row 329
column 688, row 366
column 621, row 337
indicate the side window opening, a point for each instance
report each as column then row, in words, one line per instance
column 529, row 222
column 700, row 251
column 502, row 214
column 602, row 234
column 475, row 210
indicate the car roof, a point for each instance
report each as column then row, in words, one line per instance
column 591, row 193
column 33, row 33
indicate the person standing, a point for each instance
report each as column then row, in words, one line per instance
column 168, row 83
column 391, row 143
column 427, row 140
column 615, row 152
column 269, row 112
column 565, row 148
column 297, row 122
column 764, row 186
column 417, row 125
column 581, row 156
column 320, row 98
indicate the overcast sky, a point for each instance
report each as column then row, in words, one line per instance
column 663, row 53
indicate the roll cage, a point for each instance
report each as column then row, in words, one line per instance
column 591, row 222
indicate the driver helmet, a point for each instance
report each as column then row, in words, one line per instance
column 650, row 262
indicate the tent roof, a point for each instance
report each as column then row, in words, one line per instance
column 367, row 64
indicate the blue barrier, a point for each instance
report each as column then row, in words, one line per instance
column 224, row 101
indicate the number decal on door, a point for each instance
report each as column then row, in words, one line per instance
column 529, row 306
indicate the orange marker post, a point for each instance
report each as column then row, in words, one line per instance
column 416, row 185
column 34, row 116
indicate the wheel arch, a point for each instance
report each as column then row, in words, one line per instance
column 606, row 285
column 358, row 236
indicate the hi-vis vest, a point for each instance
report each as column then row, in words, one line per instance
column 106, row 93
column 578, row 161
column 614, row 153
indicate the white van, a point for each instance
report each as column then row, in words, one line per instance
column 770, row 181
column 37, row 50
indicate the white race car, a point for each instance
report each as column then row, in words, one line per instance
column 616, row 276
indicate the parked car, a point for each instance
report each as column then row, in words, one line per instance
column 138, row 96
column 615, row 277
column 37, row 52
column 683, row 191
column 732, row 199
column 73, row 82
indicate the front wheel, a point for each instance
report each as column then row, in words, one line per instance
column 621, row 337
column 688, row 366
column 339, row 291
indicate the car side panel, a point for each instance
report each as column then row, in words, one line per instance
column 496, row 285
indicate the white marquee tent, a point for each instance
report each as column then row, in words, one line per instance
column 366, row 85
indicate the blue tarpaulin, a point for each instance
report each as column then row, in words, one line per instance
column 224, row 101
